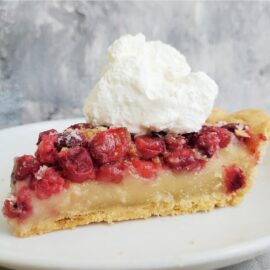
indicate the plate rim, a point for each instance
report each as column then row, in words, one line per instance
column 236, row 253
column 246, row 250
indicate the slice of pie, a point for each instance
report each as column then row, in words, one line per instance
column 93, row 174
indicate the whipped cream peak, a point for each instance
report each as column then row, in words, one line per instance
column 149, row 86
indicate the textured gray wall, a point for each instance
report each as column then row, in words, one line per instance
column 51, row 52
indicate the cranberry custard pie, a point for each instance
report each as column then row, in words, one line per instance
column 87, row 174
column 147, row 148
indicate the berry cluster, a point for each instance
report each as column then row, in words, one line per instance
column 73, row 156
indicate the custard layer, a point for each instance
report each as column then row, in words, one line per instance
column 135, row 197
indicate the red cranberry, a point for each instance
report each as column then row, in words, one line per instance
column 251, row 139
column 48, row 182
column 110, row 145
column 145, row 168
column 208, row 143
column 223, row 134
column 149, row 147
column 46, row 152
column 46, row 132
column 21, row 206
column 234, row 178
column 262, row 137
column 24, row 167
column 77, row 164
column 110, row 173
column 174, row 141
column 253, row 142
column 183, row 160
column 80, row 126
column 191, row 138
column 70, row 139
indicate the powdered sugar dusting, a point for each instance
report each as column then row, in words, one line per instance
column 11, row 198
column 69, row 136
column 39, row 174
column 73, row 134
column 52, row 132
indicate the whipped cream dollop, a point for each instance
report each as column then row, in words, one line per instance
column 148, row 85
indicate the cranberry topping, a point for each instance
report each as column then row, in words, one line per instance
column 210, row 139
column 262, row 137
column 70, row 139
column 110, row 145
column 191, row 138
column 183, row 160
column 241, row 131
column 47, row 183
column 69, row 155
column 145, row 168
column 149, row 147
column 234, row 178
column 110, row 173
column 46, row 132
column 80, row 126
column 24, row 167
column 174, row 141
column 253, row 142
column 208, row 143
column 21, row 206
column 245, row 135
column 223, row 134
column 46, row 152
column 77, row 164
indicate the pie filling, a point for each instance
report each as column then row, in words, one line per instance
column 86, row 169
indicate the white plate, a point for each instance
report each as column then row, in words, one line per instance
column 199, row 241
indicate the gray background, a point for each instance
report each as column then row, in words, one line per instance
column 51, row 53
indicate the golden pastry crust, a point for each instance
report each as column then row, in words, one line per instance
column 258, row 121
column 121, row 213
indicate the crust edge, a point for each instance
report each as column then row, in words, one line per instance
column 125, row 213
